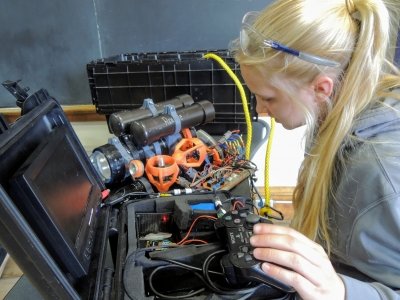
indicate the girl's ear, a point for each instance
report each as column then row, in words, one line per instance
column 322, row 85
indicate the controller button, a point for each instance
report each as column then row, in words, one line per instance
column 234, row 212
column 228, row 218
column 243, row 215
column 245, row 249
column 252, row 218
column 237, row 221
column 240, row 254
column 248, row 257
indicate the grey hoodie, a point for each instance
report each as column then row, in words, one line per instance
column 365, row 214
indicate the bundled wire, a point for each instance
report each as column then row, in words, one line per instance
column 203, row 274
column 267, row 210
column 123, row 194
column 213, row 177
column 232, row 144
column 164, row 296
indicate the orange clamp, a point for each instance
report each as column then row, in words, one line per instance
column 162, row 171
column 190, row 152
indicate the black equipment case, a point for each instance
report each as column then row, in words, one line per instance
column 53, row 262
column 122, row 81
column 56, row 224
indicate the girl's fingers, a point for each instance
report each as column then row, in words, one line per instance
column 296, row 264
column 263, row 228
column 297, row 261
column 291, row 242
column 293, row 279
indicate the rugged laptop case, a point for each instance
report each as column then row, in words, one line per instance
column 42, row 116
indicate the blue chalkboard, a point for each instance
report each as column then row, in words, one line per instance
column 47, row 43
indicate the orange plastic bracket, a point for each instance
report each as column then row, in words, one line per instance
column 190, row 152
column 162, row 171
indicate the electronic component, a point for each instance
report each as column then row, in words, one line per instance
column 240, row 267
column 186, row 211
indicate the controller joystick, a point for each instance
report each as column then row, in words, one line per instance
column 239, row 265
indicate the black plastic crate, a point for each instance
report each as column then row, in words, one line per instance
column 122, row 82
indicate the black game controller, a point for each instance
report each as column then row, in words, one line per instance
column 240, row 267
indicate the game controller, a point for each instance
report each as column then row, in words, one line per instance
column 239, row 265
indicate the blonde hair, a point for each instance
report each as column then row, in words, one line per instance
column 355, row 33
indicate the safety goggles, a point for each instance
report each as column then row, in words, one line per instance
column 251, row 41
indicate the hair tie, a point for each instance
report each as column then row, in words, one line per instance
column 351, row 8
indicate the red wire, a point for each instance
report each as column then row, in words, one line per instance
column 191, row 227
column 237, row 202
column 194, row 240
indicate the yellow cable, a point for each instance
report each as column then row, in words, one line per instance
column 267, row 192
column 243, row 96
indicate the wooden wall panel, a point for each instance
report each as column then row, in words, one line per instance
column 75, row 113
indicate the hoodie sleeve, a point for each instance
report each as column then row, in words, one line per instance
column 359, row 290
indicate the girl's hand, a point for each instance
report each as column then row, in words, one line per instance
column 310, row 272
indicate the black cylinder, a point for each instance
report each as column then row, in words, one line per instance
column 119, row 122
column 116, row 164
column 149, row 130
